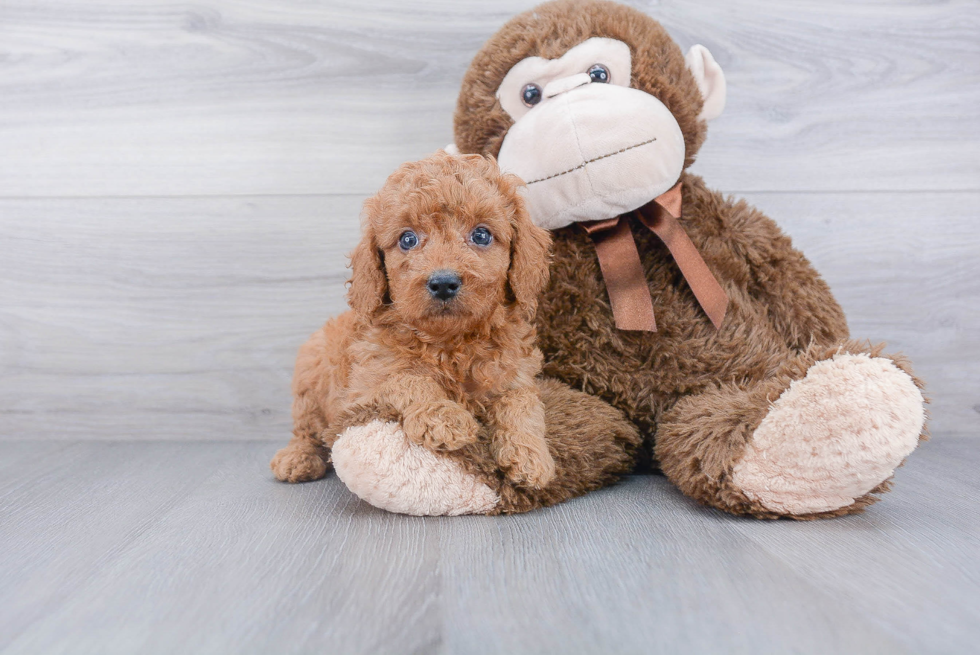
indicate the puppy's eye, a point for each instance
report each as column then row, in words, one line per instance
column 599, row 73
column 408, row 240
column 481, row 236
column 531, row 94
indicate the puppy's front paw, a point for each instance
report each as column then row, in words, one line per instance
column 442, row 425
column 525, row 461
column 298, row 464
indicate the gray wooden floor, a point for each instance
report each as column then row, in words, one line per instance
column 178, row 186
column 166, row 547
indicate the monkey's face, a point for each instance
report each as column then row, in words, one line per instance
column 587, row 145
column 592, row 105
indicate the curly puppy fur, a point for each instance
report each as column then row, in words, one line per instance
column 441, row 366
column 698, row 393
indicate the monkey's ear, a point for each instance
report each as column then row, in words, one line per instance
column 710, row 79
column 530, row 249
column 368, row 282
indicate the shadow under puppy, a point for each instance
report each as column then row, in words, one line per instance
column 441, row 340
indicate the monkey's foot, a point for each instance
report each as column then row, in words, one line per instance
column 833, row 436
column 381, row 466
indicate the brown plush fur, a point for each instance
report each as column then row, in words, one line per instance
column 455, row 373
column 697, row 392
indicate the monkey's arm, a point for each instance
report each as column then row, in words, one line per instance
column 800, row 303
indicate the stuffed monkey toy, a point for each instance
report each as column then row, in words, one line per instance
column 689, row 312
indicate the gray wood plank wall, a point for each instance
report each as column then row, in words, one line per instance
column 179, row 184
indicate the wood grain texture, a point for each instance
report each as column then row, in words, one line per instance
column 855, row 561
column 75, row 508
column 192, row 547
column 166, row 318
column 222, row 98
column 180, row 318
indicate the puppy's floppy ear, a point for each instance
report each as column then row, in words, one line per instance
column 368, row 283
column 530, row 251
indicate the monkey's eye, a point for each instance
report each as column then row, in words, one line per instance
column 408, row 240
column 599, row 73
column 481, row 236
column 531, row 94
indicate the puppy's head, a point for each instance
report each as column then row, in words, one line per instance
column 445, row 242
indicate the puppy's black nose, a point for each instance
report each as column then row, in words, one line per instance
column 444, row 285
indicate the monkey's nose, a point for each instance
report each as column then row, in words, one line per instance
column 561, row 85
column 444, row 285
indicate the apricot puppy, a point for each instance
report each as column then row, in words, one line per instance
column 443, row 295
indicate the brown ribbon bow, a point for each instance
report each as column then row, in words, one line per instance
column 619, row 260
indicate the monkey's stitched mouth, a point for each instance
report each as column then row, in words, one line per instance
column 594, row 159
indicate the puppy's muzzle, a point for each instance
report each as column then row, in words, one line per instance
column 444, row 285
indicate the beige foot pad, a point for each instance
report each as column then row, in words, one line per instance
column 382, row 467
column 833, row 436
